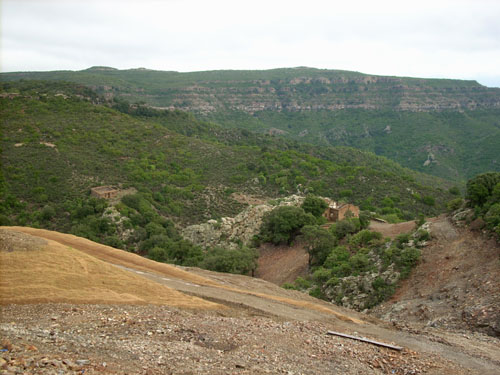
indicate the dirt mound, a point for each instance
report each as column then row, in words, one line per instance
column 15, row 241
column 221, row 288
column 37, row 270
column 112, row 255
column 455, row 285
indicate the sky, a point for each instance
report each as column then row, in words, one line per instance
column 430, row 39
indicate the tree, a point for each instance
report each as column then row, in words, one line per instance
column 314, row 205
column 344, row 227
column 284, row 223
column 481, row 187
column 492, row 217
column 240, row 261
column 319, row 243
column 364, row 219
column 184, row 253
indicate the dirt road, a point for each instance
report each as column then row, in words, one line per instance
column 456, row 284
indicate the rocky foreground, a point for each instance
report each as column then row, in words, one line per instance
column 91, row 339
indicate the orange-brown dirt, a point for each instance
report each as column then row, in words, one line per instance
column 47, row 271
column 171, row 274
column 262, row 329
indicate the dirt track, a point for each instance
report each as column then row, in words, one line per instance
column 456, row 283
column 247, row 299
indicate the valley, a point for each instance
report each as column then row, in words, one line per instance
column 223, row 222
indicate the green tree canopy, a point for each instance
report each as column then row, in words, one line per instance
column 481, row 187
column 314, row 205
column 284, row 223
column 319, row 243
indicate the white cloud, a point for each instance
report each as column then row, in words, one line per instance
column 455, row 39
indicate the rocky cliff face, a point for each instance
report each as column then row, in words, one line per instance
column 287, row 89
column 322, row 93
column 230, row 232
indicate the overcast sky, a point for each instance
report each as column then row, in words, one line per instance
column 417, row 38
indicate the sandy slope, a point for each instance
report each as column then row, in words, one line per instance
column 35, row 270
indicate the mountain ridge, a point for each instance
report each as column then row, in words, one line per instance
column 444, row 127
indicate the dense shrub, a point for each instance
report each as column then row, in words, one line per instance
column 483, row 193
column 242, row 260
column 344, row 227
column 314, row 205
column 480, row 189
column 454, row 204
column 319, row 243
column 284, row 223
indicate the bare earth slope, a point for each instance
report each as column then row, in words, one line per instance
column 261, row 328
column 456, row 284
column 282, row 264
column 392, row 230
column 35, row 270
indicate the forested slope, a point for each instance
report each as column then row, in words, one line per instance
column 58, row 141
column 447, row 128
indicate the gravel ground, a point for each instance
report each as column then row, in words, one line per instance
column 121, row 339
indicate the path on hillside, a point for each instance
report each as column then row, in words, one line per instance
column 250, row 297
column 391, row 230
column 456, row 284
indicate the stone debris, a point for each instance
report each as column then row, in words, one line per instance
column 98, row 339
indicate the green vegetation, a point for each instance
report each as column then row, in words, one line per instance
column 59, row 140
column 319, row 242
column 283, row 224
column 348, row 261
column 483, row 194
column 314, row 205
column 450, row 144
column 447, row 128
column 242, row 260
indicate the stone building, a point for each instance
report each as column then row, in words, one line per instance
column 105, row 192
column 338, row 211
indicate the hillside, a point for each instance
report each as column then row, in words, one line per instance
column 58, row 141
column 256, row 327
column 447, row 128
column 38, row 270
column 454, row 286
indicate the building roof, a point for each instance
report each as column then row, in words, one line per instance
column 103, row 189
